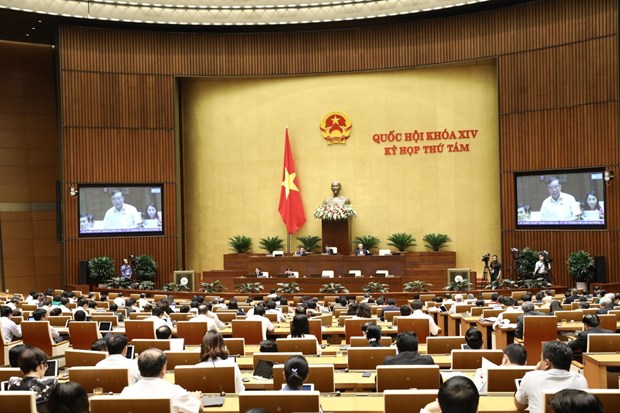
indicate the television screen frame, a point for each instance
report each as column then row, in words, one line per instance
column 94, row 201
column 568, row 178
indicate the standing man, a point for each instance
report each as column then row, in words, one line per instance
column 559, row 206
column 126, row 271
column 542, row 267
column 121, row 215
column 496, row 269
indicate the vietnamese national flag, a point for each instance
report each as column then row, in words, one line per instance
column 291, row 208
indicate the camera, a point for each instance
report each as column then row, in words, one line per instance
column 485, row 258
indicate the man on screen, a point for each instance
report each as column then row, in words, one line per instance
column 559, row 206
column 121, row 215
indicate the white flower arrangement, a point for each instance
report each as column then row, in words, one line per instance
column 334, row 212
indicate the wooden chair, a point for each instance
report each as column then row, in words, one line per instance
column 181, row 358
column 181, row 316
column 83, row 334
column 8, row 372
column 18, row 401
column 338, row 311
column 139, row 329
column 609, row 398
column 102, row 304
column 389, row 315
column 419, row 325
column 326, row 319
column 538, row 329
column 277, row 358
column 399, row 401
column 207, row 379
column 491, row 312
column 192, row 331
column 368, row 358
column 306, row 346
column 74, row 358
column 142, row 344
column 426, row 297
column 353, row 327
column 109, row 318
column 251, row 331
column 321, row 375
column 572, row 315
column 316, row 329
column 113, row 379
column 502, row 378
column 477, row 311
column 407, row 377
column 29, row 307
column 138, row 315
column 342, row 318
column 518, row 295
column 280, row 401
column 386, row 341
column 235, row 346
column 107, row 404
column 608, row 321
column 512, row 317
column 443, row 344
column 159, row 297
column 37, row 334
column 226, row 316
column 472, row 359
column 4, row 348
column 604, row 343
column 58, row 320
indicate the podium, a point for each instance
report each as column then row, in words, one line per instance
column 337, row 234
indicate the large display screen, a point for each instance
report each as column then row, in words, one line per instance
column 118, row 210
column 562, row 199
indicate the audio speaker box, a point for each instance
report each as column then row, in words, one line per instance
column 83, row 273
column 601, row 269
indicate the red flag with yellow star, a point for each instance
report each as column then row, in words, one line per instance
column 291, row 208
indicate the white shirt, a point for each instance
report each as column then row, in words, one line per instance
column 565, row 208
column 239, row 387
column 118, row 360
column 280, row 317
column 202, row 318
column 9, row 329
column 182, row 400
column 158, row 322
column 120, row 302
column 535, row 382
column 126, row 217
column 267, row 325
column 432, row 327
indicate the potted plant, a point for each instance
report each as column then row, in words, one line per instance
column 309, row 242
column 416, row 286
column 214, row 287
column 289, row 288
column 436, row 242
column 459, row 284
column 175, row 287
column 271, row 244
column 118, row 282
column 525, row 262
column 375, row 287
column 145, row 268
column 368, row 241
column 145, row 285
column 503, row 284
column 401, row 241
column 255, row 287
column 240, row 244
column 581, row 267
column 333, row 288
column 101, row 270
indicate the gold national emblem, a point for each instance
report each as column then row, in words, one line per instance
column 335, row 128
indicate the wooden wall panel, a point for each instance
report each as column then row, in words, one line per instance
column 557, row 82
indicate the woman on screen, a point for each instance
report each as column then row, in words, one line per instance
column 151, row 216
column 592, row 206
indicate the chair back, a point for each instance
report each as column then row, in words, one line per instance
column 419, row 325
column 353, row 327
column 192, row 331
column 74, row 358
column 491, row 312
column 113, row 379
column 368, row 358
column 389, row 315
column 227, row 316
column 609, row 398
column 538, row 329
column 37, row 334
column 443, row 344
column 142, row 344
column 250, row 330
column 18, row 401
column 407, row 377
column 180, row 316
column 139, row 329
column 386, row 341
column 321, row 375
column 571, row 315
column 8, row 372
column 139, row 315
column 511, row 316
column 83, row 334
column 306, row 346
column 502, row 378
column 398, row 401
column 280, row 401
column 4, row 348
column 326, row 319
column 207, row 379
column 472, row 359
column 181, row 358
column 149, row 404
column 58, row 320
column 608, row 321
column 517, row 295
column 273, row 317
column 235, row 346
column 109, row 318
column 603, row 343
column 276, row 358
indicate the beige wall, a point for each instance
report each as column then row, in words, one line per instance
column 233, row 135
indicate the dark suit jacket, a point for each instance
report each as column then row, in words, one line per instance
column 362, row 252
column 580, row 343
column 519, row 331
column 388, row 308
column 409, row 357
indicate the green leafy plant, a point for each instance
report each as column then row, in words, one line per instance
column 146, row 285
column 240, row 244
column 459, row 284
column 539, row 282
column 145, row 268
column 401, row 241
column 118, row 282
column 504, row 284
column 289, row 288
column 249, row 287
column 101, row 269
column 333, row 288
column 214, row 287
column 368, row 241
column 525, row 262
column 435, row 242
column 175, row 287
column 416, row 286
column 376, row 287
column 271, row 244
column 581, row 266
column 309, row 242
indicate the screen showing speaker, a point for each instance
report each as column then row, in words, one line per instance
column 120, row 209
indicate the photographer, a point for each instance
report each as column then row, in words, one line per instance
column 543, row 266
column 496, row 269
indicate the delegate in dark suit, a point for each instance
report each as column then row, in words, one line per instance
column 528, row 309
column 409, row 357
column 590, row 326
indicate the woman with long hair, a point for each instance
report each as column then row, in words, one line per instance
column 300, row 328
column 213, row 353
